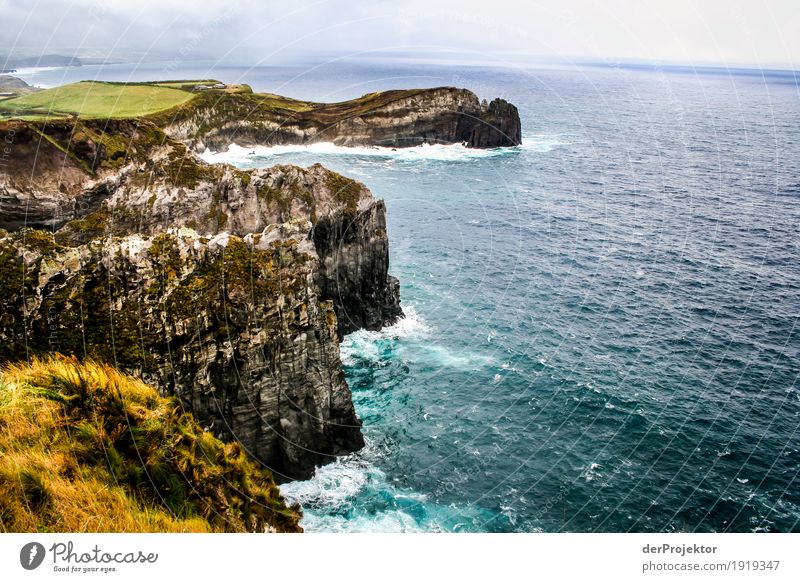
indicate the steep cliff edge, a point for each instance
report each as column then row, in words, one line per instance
column 205, row 280
column 226, row 288
column 399, row 118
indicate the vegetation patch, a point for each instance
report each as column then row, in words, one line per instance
column 345, row 190
column 96, row 100
column 85, row 448
column 81, row 230
column 184, row 171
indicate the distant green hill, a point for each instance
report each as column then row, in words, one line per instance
column 85, row 448
column 40, row 61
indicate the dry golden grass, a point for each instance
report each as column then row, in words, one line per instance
column 85, row 448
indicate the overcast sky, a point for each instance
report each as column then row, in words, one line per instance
column 726, row 32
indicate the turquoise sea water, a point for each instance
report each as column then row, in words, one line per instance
column 601, row 329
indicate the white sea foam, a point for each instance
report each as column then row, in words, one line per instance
column 591, row 473
column 385, row 522
column 364, row 343
column 333, row 497
column 236, row 154
column 414, row 346
column 334, row 485
column 445, row 357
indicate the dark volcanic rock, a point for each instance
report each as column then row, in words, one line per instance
column 213, row 283
column 499, row 125
column 354, row 269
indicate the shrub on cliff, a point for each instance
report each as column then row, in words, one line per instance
column 85, row 448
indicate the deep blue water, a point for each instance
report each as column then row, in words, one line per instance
column 602, row 324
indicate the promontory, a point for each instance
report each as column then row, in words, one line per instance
column 226, row 290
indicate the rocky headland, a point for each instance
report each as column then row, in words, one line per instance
column 224, row 288
column 398, row 118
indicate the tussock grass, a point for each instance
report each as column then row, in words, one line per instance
column 86, row 448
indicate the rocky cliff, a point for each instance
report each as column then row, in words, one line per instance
column 226, row 288
column 391, row 118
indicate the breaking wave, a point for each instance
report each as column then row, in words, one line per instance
column 255, row 156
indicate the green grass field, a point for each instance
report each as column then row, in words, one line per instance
column 92, row 100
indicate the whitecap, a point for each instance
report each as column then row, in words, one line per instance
column 509, row 367
column 591, row 473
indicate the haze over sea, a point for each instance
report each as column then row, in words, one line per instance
column 601, row 329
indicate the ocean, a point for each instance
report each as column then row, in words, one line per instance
column 601, row 324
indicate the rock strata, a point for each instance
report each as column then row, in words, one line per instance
column 444, row 115
column 229, row 289
column 215, row 284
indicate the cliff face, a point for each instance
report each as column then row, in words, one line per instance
column 226, row 288
column 50, row 174
column 233, row 326
column 353, row 270
column 223, row 287
column 391, row 118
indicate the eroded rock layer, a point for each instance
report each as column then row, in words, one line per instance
column 391, row 118
column 226, row 288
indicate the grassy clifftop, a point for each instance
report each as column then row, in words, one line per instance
column 111, row 100
column 90, row 99
column 107, row 100
column 164, row 100
column 84, row 448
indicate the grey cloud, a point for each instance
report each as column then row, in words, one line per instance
column 722, row 31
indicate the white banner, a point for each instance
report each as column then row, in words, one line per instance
column 335, row 557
